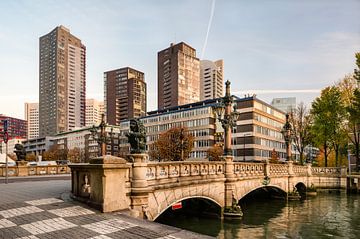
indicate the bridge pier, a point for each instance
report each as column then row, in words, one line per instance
column 139, row 186
column 232, row 209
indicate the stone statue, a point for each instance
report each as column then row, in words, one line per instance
column 20, row 152
column 137, row 137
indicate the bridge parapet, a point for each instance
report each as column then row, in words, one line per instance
column 325, row 171
column 183, row 169
column 248, row 169
column 279, row 169
column 300, row 170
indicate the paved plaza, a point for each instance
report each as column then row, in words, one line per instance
column 36, row 209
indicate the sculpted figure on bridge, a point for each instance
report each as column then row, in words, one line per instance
column 137, row 136
column 20, row 152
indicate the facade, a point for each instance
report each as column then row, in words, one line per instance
column 17, row 128
column 211, row 79
column 178, row 76
column 125, row 94
column 94, row 110
column 62, row 82
column 257, row 135
column 258, row 131
column 284, row 104
column 38, row 146
column 32, row 118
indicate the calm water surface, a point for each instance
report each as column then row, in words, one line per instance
column 328, row 215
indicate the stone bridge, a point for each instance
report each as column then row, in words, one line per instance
column 148, row 188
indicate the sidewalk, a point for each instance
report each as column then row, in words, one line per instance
column 43, row 210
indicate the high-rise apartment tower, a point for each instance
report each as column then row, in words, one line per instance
column 94, row 110
column 125, row 94
column 211, row 79
column 178, row 76
column 32, row 118
column 62, row 82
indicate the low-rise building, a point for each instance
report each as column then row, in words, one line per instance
column 256, row 135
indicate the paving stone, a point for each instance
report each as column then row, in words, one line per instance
column 56, row 206
column 144, row 232
column 101, row 237
column 71, row 211
column 29, row 218
column 74, row 233
column 4, row 223
column 13, row 232
column 88, row 219
column 108, row 226
column 28, row 237
column 124, row 235
column 7, row 206
column 19, row 211
column 49, row 225
column 44, row 201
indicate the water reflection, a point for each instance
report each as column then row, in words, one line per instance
column 329, row 215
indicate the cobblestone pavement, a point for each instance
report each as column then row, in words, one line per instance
column 36, row 210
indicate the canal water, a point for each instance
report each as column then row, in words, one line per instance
column 328, row 215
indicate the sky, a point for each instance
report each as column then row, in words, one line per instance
column 271, row 48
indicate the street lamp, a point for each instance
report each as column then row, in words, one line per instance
column 226, row 117
column 288, row 133
column 100, row 138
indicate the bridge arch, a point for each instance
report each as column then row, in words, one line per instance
column 160, row 200
column 274, row 188
column 186, row 198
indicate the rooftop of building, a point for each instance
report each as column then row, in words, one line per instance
column 127, row 68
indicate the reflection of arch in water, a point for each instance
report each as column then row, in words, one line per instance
column 261, row 204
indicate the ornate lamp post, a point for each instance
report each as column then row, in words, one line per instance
column 288, row 133
column 227, row 117
column 100, row 137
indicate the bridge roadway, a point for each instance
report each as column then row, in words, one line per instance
column 148, row 188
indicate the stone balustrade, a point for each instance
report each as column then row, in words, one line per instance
column 169, row 170
column 248, row 169
column 300, row 170
column 327, row 170
column 34, row 170
column 279, row 169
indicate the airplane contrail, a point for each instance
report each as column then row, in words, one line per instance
column 208, row 28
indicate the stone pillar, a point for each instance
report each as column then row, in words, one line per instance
column 232, row 208
column 139, row 185
column 267, row 168
column 291, row 175
column 22, row 168
column 309, row 175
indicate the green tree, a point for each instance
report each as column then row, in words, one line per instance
column 173, row 145
column 328, row 121
column 300, row 119
column 354, row 125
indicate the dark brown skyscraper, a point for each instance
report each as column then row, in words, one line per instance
column 125, row 94
column 178, row 76
column 62, row 82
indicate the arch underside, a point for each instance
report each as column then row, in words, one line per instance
column 160, row 201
